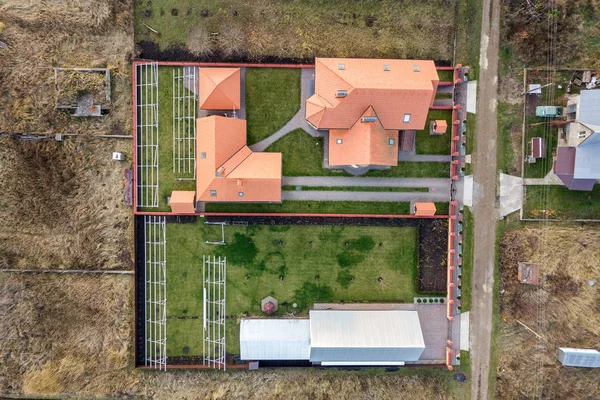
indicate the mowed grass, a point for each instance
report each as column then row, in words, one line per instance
column 272, row 99
column 327, row 270
column 552, row 201
column 316, row 207
column 435, row 144
column 300, row 29
column 303, row 156
column 166, row 177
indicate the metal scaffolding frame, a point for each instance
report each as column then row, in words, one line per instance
column 214, row 270
column 147, row 134
column 222, row 241
column 155, row 292
column 184, row 122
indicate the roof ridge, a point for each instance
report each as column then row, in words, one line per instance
column 233, row 155
column 336, row 74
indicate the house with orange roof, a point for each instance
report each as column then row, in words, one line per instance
column 227, row 170
column 365, row 104
column 219, row 88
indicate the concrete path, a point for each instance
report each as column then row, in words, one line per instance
column 484, row 201
column 434, row 184
column 550, row 179
column 511, row 194
column 442, row 196
column 298, row 121
column 408, row 156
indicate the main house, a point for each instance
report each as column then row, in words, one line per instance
column 577, row 162
column 369, row 105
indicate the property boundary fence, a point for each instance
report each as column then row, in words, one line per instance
column 155, row 275
column 146, row 123
column 184, row 122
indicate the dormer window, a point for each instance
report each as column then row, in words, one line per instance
column 341, row 93
column 369, row 119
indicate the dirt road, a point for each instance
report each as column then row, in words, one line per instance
column 484, row 201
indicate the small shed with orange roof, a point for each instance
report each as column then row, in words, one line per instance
column 227, row 170
column 425, row 209
column 183, row 202
column 219, row 88
column 438, row 127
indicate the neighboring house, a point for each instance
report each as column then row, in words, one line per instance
column 219, row 88
column 364, row 103
column 227, row 170
column 577, row 161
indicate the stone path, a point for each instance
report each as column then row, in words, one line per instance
column 443, row 196
column 409, row 156
column 298, row 121
column 434, row 184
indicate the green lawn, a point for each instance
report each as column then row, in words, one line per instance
column 357, row 188
column 272, row 99
column 301, row 29
column 435, row 144
column 318, row 207
column 166, row 177
column 406, row 169
column 469, row 35
column 327, row 270
column 542, row 166
column 558, row 202
column 467, row 268
column 509, row 129
column 446, row 76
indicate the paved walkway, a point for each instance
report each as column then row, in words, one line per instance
column 298, row 121
column 550, row 179
column 409, row 156
column 434, row 184
column 443, row 196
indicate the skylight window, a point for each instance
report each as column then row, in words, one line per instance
column 341, row 93
column 240, row 194
column 338, row 141
column 341, row 66
column 406, row 118
column 203, row 154
column 391, row 142
column 416, row 68
column 386, row 67
column 213, row 193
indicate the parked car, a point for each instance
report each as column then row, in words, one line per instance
column 548, row 111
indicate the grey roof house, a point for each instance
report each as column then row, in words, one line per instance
column 578, row 156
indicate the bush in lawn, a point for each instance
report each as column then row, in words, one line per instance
column 242, row 251
column 349, row 258
column 344, row 278
column 311, row 293
column 363, row 244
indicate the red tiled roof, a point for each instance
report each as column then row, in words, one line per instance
column 425, row 209
column 226, row 166
column 400, row 90
column 182, row 202
column 365, row 143
column 219, row 88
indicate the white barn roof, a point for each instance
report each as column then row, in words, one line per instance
column 274, row 339
column 365, row 336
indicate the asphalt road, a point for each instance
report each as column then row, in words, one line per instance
column 484, row 201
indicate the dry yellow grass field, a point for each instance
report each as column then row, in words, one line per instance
column 564, row 310
column 61, row 205
column 42, row 35
column 71, row 336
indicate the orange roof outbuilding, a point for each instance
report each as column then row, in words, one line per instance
column 183, row 202
column 365, row 143
column 440, row 126
column 227, row 170
column 219, row 88
column 425, row 209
